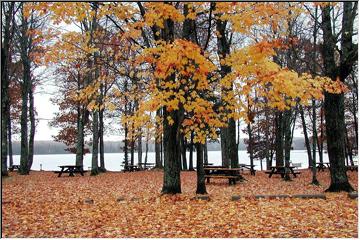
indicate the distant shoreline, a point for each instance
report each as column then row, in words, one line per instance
column 52, row 147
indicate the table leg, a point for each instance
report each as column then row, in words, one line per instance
column 272, row 172
column 71, row 172
column 60, row 173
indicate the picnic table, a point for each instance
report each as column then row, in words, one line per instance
column 233, row 174
column 281, row 170
column 131, row 168
column 322, row 166
column 71, row 169
column 249, row 167
column 146, row 166
column 352, row 168
column 14, row 167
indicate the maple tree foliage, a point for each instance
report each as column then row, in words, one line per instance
column 129, row 46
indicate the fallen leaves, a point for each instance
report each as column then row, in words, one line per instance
column 130, row 205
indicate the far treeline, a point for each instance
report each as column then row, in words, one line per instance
column 51, row 147
column 183, row 74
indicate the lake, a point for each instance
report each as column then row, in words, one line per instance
column 114, row 160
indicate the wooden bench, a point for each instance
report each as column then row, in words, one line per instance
column 14, row 167
column 248, row 167
column 281, row 171
column 352, row 168
column 232, row 179
column 71, row 169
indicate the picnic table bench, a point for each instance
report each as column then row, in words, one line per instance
column 233, row 174
column 131, row 168
column 248, row 167
column 322, row 166
column 146, row 166
column 71, row 169
column 352, row 168
column 281, row 170
column 14, row 167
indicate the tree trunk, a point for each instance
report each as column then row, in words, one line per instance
column 267, row 143
column 157, row 143
column 24, row 117
column 5, row 113
column 101, row 138
column 287, row 144
column 32, row 128
column 126, row 147
column 191, row 161
column 183, row 153
column 5, row 100
column 206, row 161
column 229, row 151
column 139, row 147
column 251, row 142
column 95, row 144
column 132, row 150
column 172, row 135
column 200, row 187
column 80, row 134
column 321, row 142
column 307, row 142
column 314, row 179
column 279, row 139
column 11, row 161
column 172, row 156
column 334, row 103
column 146, row 147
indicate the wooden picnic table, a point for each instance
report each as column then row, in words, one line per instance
column 249, row 167
column 131, row 168
column 14, row 167
column 71, row 169
column 233, row 174
column 146, row 166
column 322, row 166
column 352, row 168
column 281, row 170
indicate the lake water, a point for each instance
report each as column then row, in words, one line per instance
column 114, row 160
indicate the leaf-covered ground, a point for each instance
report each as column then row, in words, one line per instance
column 130, row 205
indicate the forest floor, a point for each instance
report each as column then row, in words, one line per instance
column 119, row 205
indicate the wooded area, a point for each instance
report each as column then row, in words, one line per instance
column 182, row 75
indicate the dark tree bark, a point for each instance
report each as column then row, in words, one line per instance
column 32, row 128
column 126, row 147
column 206, row 161
column 80, row 135
column 5, row 100
column 287, row 144
column 172, row 135
column 146, row 147
column 229, row 151
column 200, row 187
column 191, row 147
column 158, row 144
column 307, row 142
column 11, row 161
column 172, row 156
column 183, row 153
column 95, row 144
column 139, row 147
column 251, row 143
column 334, row 103
column 25, row 88
column 101, row 139
column 267, row 143
column 279, row 139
